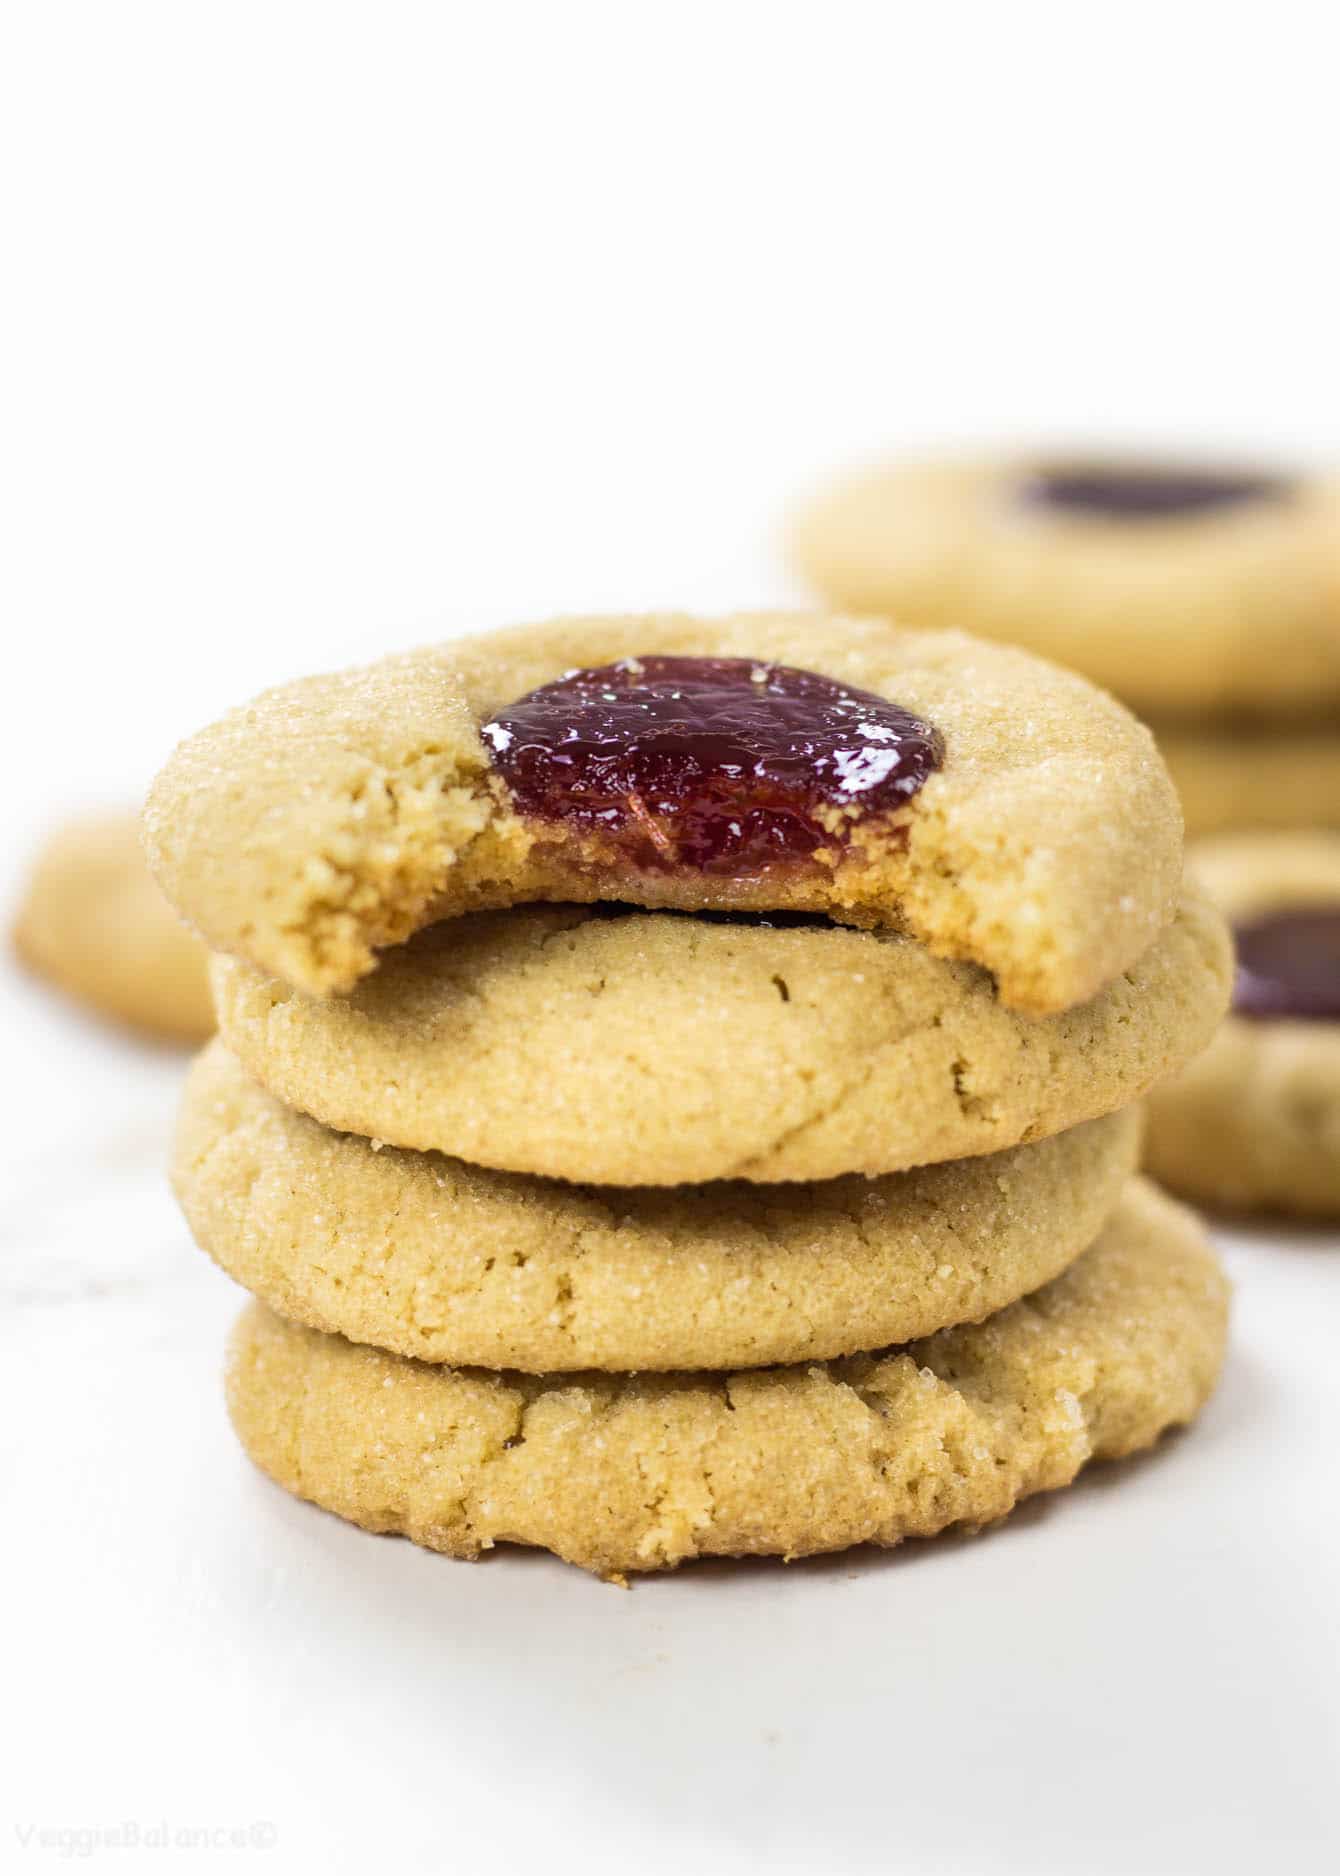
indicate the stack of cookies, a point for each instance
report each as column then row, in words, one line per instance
column 674, row 1078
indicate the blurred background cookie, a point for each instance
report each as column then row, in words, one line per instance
column 1254, row 776
column 1206, row 595
column 93, row 923
column 1253, row 1124
column 1184, row 588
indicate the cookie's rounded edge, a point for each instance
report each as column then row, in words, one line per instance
column 428, row 1257
column 623, row 1474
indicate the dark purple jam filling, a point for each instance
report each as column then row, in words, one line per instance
column 719, row 765
column 1289, row 965
column 1135, row 492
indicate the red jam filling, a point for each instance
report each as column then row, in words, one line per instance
column 719, row 765
column 1134, row 492
column 1289, row 965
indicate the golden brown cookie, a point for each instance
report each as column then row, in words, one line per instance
column 1253, row 1124
column 1192, row 589
column 1246, row 777
column 656, row 1048
column 621, row 1474
column 341, row 814
column 430, row 1257
column 94, row 924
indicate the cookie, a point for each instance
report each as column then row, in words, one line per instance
column 1253, row 1124
column 1001, row 811
column 1183, row 589
column 1254, row 776
column 94, row 924
column 431, row 1257
column 655, row 1048
column 624, row 1474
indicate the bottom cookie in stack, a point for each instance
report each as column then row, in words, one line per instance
column 634, row 1473
column 760, row 1428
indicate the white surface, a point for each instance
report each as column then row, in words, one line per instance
column 327, row 328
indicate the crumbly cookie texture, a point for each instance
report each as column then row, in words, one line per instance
column 430, row 1257
column 1235, row 609
column 1254, row 777
column 339, row 815
column 642, row 1473
column 1253, row 1124
column 94, row 924
column 656, row 1048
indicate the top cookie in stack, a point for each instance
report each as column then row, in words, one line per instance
column 574, row 972
column 992, row 807
column 1208, row 597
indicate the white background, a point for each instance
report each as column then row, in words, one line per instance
column 325, row 329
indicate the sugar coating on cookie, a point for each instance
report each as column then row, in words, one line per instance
column 431, row 1257
column 999, row 810
column 1186, row 589
column 93, row 923
column 656, row 1048
column 1253, row 1124
column 622, row 1474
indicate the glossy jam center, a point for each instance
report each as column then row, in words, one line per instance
column 1289, row 964
column 1135, row 492
column 722, row 765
